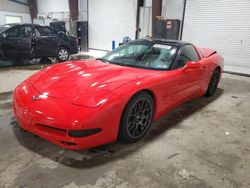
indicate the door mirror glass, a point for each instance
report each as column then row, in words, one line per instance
column 61, row 34
column 192, row 65
column 4, row 35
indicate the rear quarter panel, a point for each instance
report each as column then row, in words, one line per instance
column 214, row 60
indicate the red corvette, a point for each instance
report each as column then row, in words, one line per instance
column 83, row 104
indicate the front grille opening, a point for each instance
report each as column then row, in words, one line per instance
column 84, row 133
column 68, row 143
column 51, row 130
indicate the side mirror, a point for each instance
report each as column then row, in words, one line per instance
column 192, row 65
column 61, row 34
column 4, row 35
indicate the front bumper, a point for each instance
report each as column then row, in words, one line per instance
column 52, row 119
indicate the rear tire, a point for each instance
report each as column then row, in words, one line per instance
column 62, row 54
column 213, row 84
column 136, row 118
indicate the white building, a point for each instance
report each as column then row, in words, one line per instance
column 13, row 12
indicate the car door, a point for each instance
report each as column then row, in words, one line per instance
column 46, row 41
column 18, row 42
column 188, row 80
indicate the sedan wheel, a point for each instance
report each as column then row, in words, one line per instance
column 62, row 54
column 136, row 118
column 213, row 84
column 45, row 60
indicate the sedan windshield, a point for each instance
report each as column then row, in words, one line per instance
column 5, row 27
column 147, row 55
column 2, row 28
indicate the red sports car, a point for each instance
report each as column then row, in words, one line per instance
column 82, row 104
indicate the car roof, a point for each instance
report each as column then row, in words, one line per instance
column 29, row 24
column 165, row 41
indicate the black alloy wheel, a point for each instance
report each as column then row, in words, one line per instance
column 213, row 84
column 137, row 118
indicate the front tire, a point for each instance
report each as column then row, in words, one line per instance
column 62, row 54
column 45, row 60
column 136, row 118
column 213, row 84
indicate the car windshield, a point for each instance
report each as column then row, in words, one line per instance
column 3, row 28
column 147, row 55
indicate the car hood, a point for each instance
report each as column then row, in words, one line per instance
column 73, row 79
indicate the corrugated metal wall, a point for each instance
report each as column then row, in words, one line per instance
column 83, row 10
column 8, row 8
column 111, row 20
column 223, row 25
column 145, row 22
column 172, row 9
column 46, row 6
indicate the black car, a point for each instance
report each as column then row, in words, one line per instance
column 6, row 26
column 30, row 41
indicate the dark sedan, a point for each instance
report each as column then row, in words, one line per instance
column 30, row 41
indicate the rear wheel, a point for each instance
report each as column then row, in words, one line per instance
column 136, row 118
column 213, row 84
column 62, row 54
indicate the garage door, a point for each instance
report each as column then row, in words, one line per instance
column 223, row 25
column 111, row 20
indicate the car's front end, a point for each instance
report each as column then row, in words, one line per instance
column 73, row 104
column 60, row 121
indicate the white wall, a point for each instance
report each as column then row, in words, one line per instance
column 24, row 16
column 147, row 3
column 53, row 9
column 145, row 19
column 145, row 22
column 172, row 9
column 83, row 8
column 83, row 5
column 8, row 8
column 59, row 9
column 111, row 20
column 223, row 26
column 46, row 6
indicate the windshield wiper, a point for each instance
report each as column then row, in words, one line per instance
column 103, row 60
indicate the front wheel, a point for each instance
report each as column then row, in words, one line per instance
column 213, row 84
column 45, row 60
column 136, row 118
column 62, row 54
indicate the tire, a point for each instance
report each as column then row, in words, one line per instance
column 213, row 84
column 45, row 60
column 136, row 118
column 62, row 54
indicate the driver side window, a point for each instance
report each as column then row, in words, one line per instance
column 188, row 53
column 13, row 33
column 21, row 32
